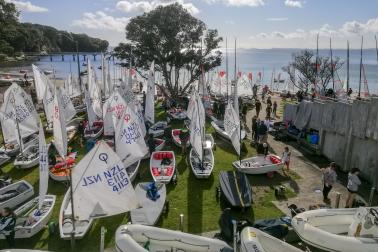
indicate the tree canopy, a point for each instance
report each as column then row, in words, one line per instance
column 16, row 37
column 307, row 69
column 175, row 40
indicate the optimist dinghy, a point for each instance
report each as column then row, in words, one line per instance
column 28, row 158
column 162, row 166
column 71, row 125
column 152, row 198
column 236, row 188
column 202, row 169
column 133, row 237
column 177, row 114
column 159, row 145
column 65, row 220
column 339, row 230
column 158, row 128
column 219, row 129
column 15, row 194
column 259, row 164
column 30, row 220
column 253, row 240
column 61, row 170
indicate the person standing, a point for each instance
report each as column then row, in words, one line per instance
column 254, row 91
column 263, row 131
column 353, row 183
column 257, row 107
column 256, row 130
column 7, row 225
column 329, row 178
column 184, row 138
column 274, row 110
column 254, row 126
column 268, row 112
column 269, row 101
column 244, row 112
column 286, row 158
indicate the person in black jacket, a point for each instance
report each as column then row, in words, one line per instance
column 7, row 225
column 263, row 130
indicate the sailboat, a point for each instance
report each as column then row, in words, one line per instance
column 119, row 121
column 15, row 194
column 100, row 188
column 34, row 215
column 140, row 238
column 201, row 155
column 24, row 118
column 61, row 169
column 94, row 127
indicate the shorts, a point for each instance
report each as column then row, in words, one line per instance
column 351, row 191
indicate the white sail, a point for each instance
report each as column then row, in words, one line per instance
column 17, row 104
column 191, row 105
column 67, row 105
column 130, row 79
column 149, row 112
column 113, row 111
column 196, row 132
column 43, row 167
column 39, row 82
column 90, row 112
column 71, row 85
column 236, row 98
column 129, row 139
column 59, row 125
column 109, row 81
column 136, row 106
column 232, row 126
column 101, row 186
column 94, row 91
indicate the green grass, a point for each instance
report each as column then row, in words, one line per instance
column 192, row 197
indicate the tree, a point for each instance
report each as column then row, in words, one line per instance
column 175, row 40
column 305, row 70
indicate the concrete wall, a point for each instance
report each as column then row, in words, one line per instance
column 349, row 132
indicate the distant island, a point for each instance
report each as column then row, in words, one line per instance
column 18, row 38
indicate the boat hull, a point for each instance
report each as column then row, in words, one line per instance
column 258, row 164
column 161, row 172
column 21, row 191
column 202, row 170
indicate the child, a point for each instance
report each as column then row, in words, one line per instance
column 286, row 157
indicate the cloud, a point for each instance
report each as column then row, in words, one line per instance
column 101, row 21
column 27, row 6
column 146, row 6
column 294, row 3
column 278, row 19
column 238, row 3
column 230, row 22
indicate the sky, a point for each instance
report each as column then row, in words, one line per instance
column 254, row 23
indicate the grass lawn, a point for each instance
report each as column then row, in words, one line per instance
column 192, row 197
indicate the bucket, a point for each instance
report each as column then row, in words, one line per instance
column 314, row 139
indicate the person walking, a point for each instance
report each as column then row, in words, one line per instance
column 244, row 112
column 257, row 107
column 7, row 225
column 274, row 109
column 329, row 178
column 286, row 158
column 353, row 183
column 269, row 101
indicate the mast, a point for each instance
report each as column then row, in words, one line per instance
column 236, row 99
column 17, row 124
column 359, row 84
column 332, row 70
column 376, row 46
column 235, row 77
column 227, row 69
column 347, row 87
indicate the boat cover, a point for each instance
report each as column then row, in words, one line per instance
column 236, row 188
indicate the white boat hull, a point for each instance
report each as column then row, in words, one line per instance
column 71, row 125
column 160, row 172
column 65, row 221
column 219, row 131
column 335, row 230
column 94, row 135
column 176, row 138
column 158, row 128
column 132, row 170
column 202, row 170
column 157, row 147
column 4, row 158
column 22, row 161
column 129, row 237
column 259, row 164
column 15, row 194
column 26, row 231
column 253, row 240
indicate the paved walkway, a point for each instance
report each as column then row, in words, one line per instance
column 309, row 187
